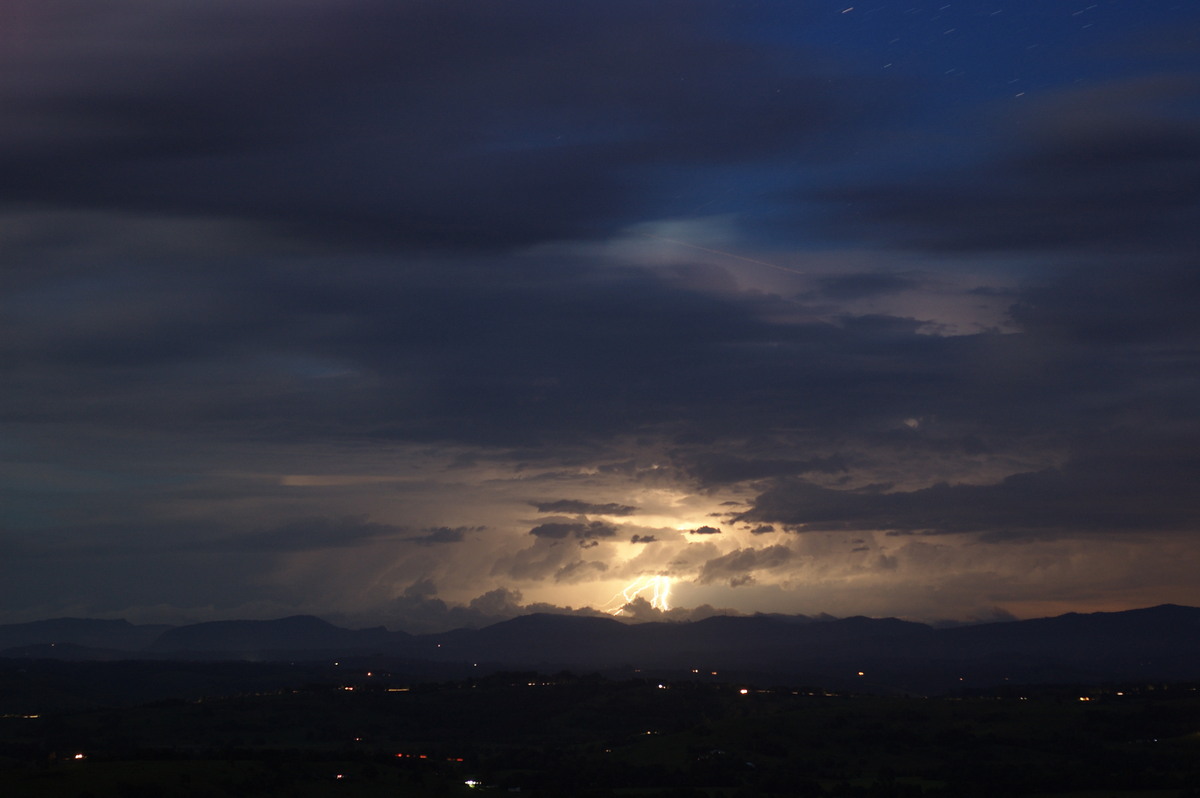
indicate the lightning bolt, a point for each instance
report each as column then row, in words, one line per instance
column 658, row 589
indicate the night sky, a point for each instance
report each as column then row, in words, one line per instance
column 428, row 313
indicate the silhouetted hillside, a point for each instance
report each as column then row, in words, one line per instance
column 88, row 632
column 296, row 633
column 1154, row 643
column 536, row 639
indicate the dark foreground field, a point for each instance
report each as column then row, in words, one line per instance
column 563, row 735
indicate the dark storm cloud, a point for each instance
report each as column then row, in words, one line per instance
column 156, row 538
column 1100, row 495
column 866, row 284
column 718, row 469
column 580, row 571
column 1111, row 166
column 148, row 562
column 548, row 558
column 704, row 530
column 314, row 533
column 245, row 242
column 1122, row 307
column 376, row 347
column 555, row 531
column 442, row 534
column 379, row 122
column 738, row 566
column 584, row 508
column 442, row 123
column 410, row 353
column 590, row 530
column 89, row 540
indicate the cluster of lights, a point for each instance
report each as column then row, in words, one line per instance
column 426, row 756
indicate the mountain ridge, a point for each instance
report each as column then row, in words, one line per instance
column 1161, row 642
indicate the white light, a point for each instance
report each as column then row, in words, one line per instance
column 659, row 588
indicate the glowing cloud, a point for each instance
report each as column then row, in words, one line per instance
column 657, row 588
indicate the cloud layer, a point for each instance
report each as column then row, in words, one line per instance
column 432, row 313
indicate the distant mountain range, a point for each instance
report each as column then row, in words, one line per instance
column 1157, row 643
